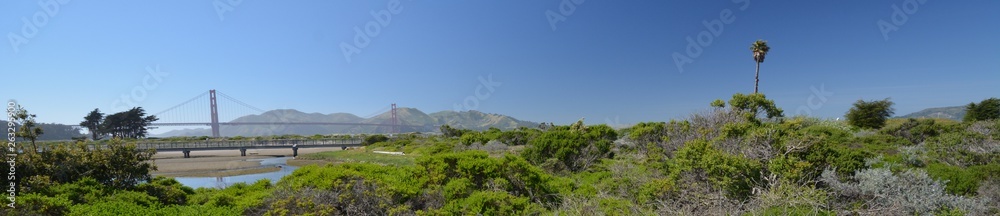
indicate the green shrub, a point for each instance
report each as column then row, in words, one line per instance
column 36, row 204
column 964, row 148
column 477, row 170
column 372, row 139
column 870, row 114
column 128, row 208
column 779, row 210
column 167, row 190
column 737, row 175
column 491, row 203
column 753, row 105
column 574, row 149
column 916, row 131
column 963, row 181
column 239, row 196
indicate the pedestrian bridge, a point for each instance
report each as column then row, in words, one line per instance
column 188, row 146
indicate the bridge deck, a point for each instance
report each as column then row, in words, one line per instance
column 244, row 144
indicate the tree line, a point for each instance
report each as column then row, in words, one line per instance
column 132, row 124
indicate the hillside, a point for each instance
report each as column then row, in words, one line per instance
column 52, row 131
column 953, row 113
column 474, row 120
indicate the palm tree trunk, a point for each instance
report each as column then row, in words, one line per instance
column 756, row 78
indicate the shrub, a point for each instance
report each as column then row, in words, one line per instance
column 963, row 181
column 474, row 138
column 988, row 109
column 167, row 190
column 36, row 204
column 914, row 130
column 574, row 149
column 344, row 189
column 119, row 165
column 372, row 139
column 753, row 105
column 449, row 131
column 964, row 148
column 870, row 114
column 736, row 175
column 692, row 194
column 239, row 196
column 911, row 191
column 491, row 203
column 789, row 199
column 475, row 170
column 604, row 205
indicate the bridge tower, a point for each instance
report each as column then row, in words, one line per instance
column 215, row 113
column 395, row 121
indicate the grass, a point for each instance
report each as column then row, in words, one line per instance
column 349, row 156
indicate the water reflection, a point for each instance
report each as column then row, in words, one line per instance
column 222, row 182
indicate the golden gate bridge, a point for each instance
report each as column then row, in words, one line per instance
column 193, row 112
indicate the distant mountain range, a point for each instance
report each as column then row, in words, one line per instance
column 474, row 120
column 423, row 122
column 953, row 112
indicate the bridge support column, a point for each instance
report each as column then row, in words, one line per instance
column 187, row 153
column 243, row 152
column 295, row 151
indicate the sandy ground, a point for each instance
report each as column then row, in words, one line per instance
column 201, row 162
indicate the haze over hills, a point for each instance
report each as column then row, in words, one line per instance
column 952, row 112
column 474, row 120
column 53, row 131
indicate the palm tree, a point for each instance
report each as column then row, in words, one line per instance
column 759, row 49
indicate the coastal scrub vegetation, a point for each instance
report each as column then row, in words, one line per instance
column 738, row 157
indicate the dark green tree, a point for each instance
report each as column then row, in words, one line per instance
column 870, row 114
column 93, row 123
column 986, row 110
column 128, row 124
column 449, row 131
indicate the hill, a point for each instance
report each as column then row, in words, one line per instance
column 53, row 131
column 953, row 113
column 474, row 120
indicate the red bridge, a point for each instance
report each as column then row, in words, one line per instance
column 181, row 115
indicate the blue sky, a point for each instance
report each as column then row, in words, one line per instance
column 606, row 60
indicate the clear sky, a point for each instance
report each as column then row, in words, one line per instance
column 609, row 61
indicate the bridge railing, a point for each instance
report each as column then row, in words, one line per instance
column 240, row 144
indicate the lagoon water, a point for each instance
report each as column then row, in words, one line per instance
column 222, row 182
